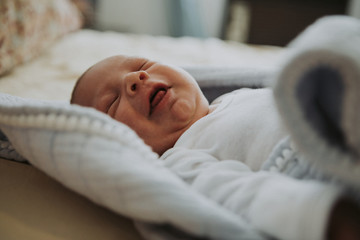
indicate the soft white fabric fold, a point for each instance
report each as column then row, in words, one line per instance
column 317, row 93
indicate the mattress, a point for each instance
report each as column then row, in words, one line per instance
column 52, row 75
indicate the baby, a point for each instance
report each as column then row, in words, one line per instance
column 166, row 108
column 158, row 101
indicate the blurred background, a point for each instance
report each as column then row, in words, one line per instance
column 269, row 22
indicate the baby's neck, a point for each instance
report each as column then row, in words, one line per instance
column 212, row 108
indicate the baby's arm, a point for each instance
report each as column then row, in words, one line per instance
column 274, row 204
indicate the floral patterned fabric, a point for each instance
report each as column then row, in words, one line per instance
column 28, row 27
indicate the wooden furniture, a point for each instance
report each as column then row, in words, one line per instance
column 277, row 22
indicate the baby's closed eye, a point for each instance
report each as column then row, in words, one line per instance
column 142, row 65
column 113, row 105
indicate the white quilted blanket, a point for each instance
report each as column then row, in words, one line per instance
column 105, row 161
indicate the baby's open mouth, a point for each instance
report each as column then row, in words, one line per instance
column 155, row 97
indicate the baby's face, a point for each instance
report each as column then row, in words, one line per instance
column 159, row 102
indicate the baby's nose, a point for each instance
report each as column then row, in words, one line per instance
column 134, row 81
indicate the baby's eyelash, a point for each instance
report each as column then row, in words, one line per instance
column 111, row 104
column 142, row 65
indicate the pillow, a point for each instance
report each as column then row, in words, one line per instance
column 28, row 27
column 87, row 10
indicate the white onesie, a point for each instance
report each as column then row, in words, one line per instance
column 221, row 155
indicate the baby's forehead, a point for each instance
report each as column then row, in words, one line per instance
column 119, row 62
column 104, row 68
column 125, row 60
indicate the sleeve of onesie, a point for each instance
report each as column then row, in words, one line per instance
column 275, row 204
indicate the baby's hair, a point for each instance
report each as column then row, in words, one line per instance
column 77, row 84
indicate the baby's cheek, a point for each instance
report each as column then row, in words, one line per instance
column 182, row 110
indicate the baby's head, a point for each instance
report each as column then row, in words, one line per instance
column 159, row 102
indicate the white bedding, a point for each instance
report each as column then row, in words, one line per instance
column 52, row 75
column 96, row 156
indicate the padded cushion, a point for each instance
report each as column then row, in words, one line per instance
column 29, row 27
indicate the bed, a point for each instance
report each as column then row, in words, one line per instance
column 36, row 205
